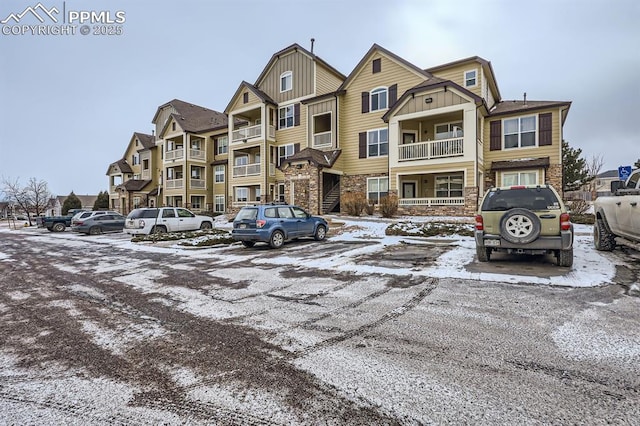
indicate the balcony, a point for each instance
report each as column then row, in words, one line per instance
column 429, row 202
column 174, row 184
column 197, row 154
column 322, row 139
column 197, row 183
column 174, row 154
column 431, row 149
column 146, row 174
column 251, row 132
column 246, row 170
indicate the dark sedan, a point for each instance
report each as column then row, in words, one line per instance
column 99, row 224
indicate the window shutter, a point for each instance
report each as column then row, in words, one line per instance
column 215, row 146
column 362, row 144
column 296, row 148
column 296, row 115
column 377, row 66
column 544, row 123
column 245, row 97
column 393, row 94
column 495, row 136
column 365, row 102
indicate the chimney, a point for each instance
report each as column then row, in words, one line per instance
column 525, row 98
column 312, row 41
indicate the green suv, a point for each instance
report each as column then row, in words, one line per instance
column 525, row 219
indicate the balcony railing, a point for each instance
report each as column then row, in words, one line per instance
column 438, row 201
column 146, row 174
column 174, row 154
column 173, row 183
column 322, row 139
column 246, row 133
column 272, row 132
column 196, row 154
column 431, row 149
column 246, row 170
column 197, row 183
column 245, row 203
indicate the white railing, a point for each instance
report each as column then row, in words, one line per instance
column 245, row 203
column 246, row 133
column 197, row 183
column 438, row 201
column 174, row 154
column 196, row 154
column 173, row 183
column 322, row 139
column 246, row 170
column 146, row 174
column 431, row 149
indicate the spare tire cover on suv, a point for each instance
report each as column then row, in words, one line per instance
column 520, row 226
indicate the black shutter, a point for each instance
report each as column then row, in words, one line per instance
column 544, row 122
column 365, row 102
column 215, row 146
column 393, row 94
column 245, row 97
column 495, row 136
column 296, row 148
column 377, row 66
column 362, row 145
column 296, row 115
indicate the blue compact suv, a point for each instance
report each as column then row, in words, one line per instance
column 276, row 223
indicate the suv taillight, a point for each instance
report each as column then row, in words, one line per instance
column 260, row 223
column 479, row 223
column 565, row 222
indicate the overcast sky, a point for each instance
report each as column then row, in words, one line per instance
column 70, row 103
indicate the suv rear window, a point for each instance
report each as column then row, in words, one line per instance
column 528, row 198
column 143, row 214
column 247, row 213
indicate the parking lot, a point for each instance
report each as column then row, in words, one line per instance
column 359, row 329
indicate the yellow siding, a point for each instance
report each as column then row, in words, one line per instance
column 326, row 82
column 439, row 99
column 328, row 106
column 302, row 68
column 467, row 167
column 456, row 75
column 238, row 102
column 296, row 134
column 353, row 121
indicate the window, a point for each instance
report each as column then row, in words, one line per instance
column 449, row 130
column 245, row 97
column 173, row 126
column 219, row 203
column 286, row 81
column 184, row 213
column 135, row 159
column 470, row 78
column 197, row 202
column 322, row 129
column 377, row 188
column 285, row 152
column 242, row 194
column 519, row 178
column 196, row 144
column 242, row 160
column 136, row 202
column 196, row 172
column 168, row 213
column 136, row 176
column 222, row 145
column 378, row 99
column 449, row 186
column 377, row 66
column 258, row 194
column 285, row 117
column 520, row 132
column 219, row 174
column 145, row 164
column 378, row 142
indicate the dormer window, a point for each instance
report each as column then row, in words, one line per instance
column 286, row 81
column 470, row 78
column 378, row 99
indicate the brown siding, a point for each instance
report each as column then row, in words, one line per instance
column 495, row 135
column 545, row 129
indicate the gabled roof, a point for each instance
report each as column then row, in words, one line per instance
column 510, row 107
column 147, row 141
column 193, row 118
column 432, row 83
column 377, row 48
column 122, row 165
column 486, row 65
column 608, row 174
column 295, row 47
column 259, row 94
column 315, row 156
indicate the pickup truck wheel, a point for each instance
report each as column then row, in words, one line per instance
column 158, row 230
column 58, row 227
column 248, row 244
column 602, row 238
column 520, row 226
column 565, row 257
column 206, row 225
column 321, row 233
column 483, row 254
column 95, row 230
column 277, row 239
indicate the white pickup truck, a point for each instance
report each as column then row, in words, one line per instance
column 618, row 216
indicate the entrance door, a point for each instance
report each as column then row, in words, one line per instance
column 408, row 138
column 408, row 190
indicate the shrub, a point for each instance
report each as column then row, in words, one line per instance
column 370, row 207
column 389, row 205
column 578, row 206
column 353, row 203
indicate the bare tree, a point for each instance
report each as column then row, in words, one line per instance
column 594, row 165
column 31, row 199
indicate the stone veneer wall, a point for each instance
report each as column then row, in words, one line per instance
column 306, row 187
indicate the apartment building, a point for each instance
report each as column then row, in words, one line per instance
column 307, row 134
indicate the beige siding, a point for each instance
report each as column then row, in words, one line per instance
column 467, row 167
column 456, row 75
column 440, row 99
column 162, row 118
column 303, row 85
column 326, row 81
column 238, row 102
column 353, row 121
column 328, row 106
column 296, row 134
column 552, row 151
